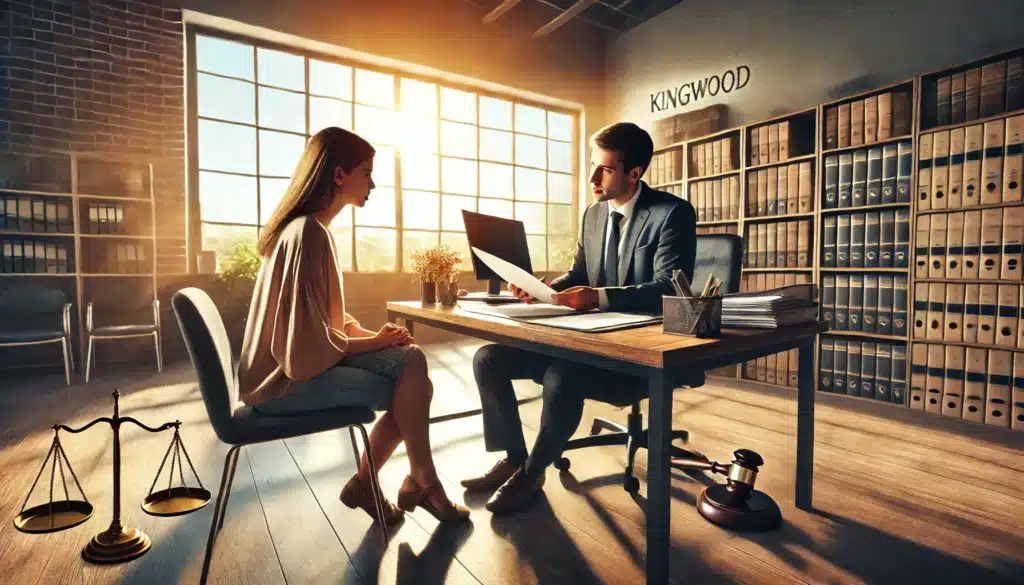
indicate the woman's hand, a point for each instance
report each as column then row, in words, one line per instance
column 391, row 335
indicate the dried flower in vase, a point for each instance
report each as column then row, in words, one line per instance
column 436, row 264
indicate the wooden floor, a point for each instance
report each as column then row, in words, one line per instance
column 900, row 497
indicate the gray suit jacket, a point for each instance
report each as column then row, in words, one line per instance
column 661, row 237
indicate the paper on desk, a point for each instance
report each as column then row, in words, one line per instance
column 513, row 274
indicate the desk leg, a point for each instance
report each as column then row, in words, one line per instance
column 805, row 427
column 407, row 322
column 659, row 441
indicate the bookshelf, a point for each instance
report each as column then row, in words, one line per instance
column 921, row 241
column 85, row 220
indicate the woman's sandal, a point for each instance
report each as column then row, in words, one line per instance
column 412, row 495
column 358, row 493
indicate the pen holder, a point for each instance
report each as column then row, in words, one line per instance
column 692, row 316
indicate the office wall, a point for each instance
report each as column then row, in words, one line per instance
column 800, row 52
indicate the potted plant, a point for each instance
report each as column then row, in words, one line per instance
column 436, row 269
column 232, row 290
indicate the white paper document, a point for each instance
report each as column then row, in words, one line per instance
column 595, row 321
column 519, row 310
column 513, row 274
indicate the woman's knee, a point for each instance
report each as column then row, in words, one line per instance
column 414, row 361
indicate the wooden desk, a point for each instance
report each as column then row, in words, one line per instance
column 648, row 353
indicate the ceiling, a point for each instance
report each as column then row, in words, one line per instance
column 612, row 17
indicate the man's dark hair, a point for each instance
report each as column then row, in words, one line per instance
column 631, row 142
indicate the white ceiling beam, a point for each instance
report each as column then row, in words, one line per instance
column 502, row 8
column 564, row 17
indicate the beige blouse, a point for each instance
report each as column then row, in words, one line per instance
column 297, row 319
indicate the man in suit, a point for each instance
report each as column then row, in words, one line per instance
column 633, row 237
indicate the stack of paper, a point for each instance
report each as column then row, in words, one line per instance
column 780, row 307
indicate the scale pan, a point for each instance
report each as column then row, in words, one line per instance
column 53, row 516
column 175, row 501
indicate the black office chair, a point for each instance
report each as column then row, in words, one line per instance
column 720, row 254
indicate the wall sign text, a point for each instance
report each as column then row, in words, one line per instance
column 693, row 91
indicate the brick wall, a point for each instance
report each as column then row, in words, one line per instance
column 101, row 76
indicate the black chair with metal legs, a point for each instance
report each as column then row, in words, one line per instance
column 105, row 332
column 31, row 314
column 238, row 425
column 722, row 255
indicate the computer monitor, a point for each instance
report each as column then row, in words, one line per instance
column 505, row 238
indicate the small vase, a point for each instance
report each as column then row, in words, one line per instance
column 447, row 293
column 428, row 294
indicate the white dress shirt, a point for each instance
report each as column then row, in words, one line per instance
column 626, row 210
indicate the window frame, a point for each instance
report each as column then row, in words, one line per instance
column 195, row 222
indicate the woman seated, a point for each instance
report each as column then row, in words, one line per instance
column 302, row 351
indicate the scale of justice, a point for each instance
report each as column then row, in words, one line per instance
column 118, row 543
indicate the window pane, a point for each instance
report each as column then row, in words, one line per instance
column 417, row 133
column 495, row 145
column 531, row 151
column 222, row 238
column 343, row 242
column 384, row 166
column 560, row 156
column 420, row 210
column 418, row 97
column 283, row 110
column 530, row 185
column 419, row 171
column 531, row 120
column 559, row 188
column 495, row 113
column 227, row 198
column 227, row 147
column 495, row 207
column 224, row 57
column 451, row 211
column 560, row 219
column 375, row 124
column 379, row 209
column 330, row 79
column 458, row 176
column 227, row 99
column 271, row 191
column 376, row 249
column 495, row 180
column 560, row 126
column 413, row 242
column 538, row 253
column 281, row 69
column 458, row 105
column 561, row 250
column 375, row 89
column 325, row 112
column 460, row 244
column 532, row 216
column 279, row 152
column 458, row 139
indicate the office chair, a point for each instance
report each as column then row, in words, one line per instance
column 720, row 254
column 32, row 314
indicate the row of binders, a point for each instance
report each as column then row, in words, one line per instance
column 977, row 165
column 106, row 219
column 870, row 303
column 716, row 199
column 969, row 313
column 118, row 258
column 868, row 176
column 972, row 383
column 873, row 239
column 781, row 190
column 868, row 120
column 876, row 370
column 33, row 214
column 676, row 190
column 713, row 157
column 980, row 92
column 717, row 229
column 27, row 256
column 666, row 167
column 979, row 244
column 780, row 244
column 779, row 141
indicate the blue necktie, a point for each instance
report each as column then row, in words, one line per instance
column 611, row 252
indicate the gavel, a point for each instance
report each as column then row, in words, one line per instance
column 736, row 504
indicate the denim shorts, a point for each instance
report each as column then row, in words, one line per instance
column 367, row 379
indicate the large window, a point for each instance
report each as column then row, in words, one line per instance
column 440, row 149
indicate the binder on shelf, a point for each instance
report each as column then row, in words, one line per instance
column 955, row 245
column 992, row 163
column 831, row 191
column 972, row 308
column 839, row 366
column 872, row 234
column 974, row 388
column 874, row 176
column 899, row 305
column 918, row 375
column 953, row 384
column 997, row 393
column 943, row 100
column 857, row 221
column 883, row 371
column 831, row 127
column 858, row 190
column 940, row 169
column 792, row 244
column 972, row 244
column 1014, row 83
column 1013, row 160
column 804, row 243
column 867, row 369
column 828, row 300
column 936, row 308
column 845, row 179
column 958, row 98
column 829, row 241
column 993, row 86
column 856, row 307
column 885, row 116
column 1013, row 226
column 954, row 313
column 956, row 168
column 842, row 309
column 843, row 240
column 1017, row 394
column 922, row 249
column 844, row 125
column 772, row 206
column 974, row 137
column 972, row 93
column 924, row 172
column 921, row 318
column 870, row 313
column 887, row 238
column 937, row 246
column 933, row 383
column 987, row 302
column 856, row 122
column 805, row 196
column 991, row 243
column 885, row 297
column 898, row 386
column 1008, row 297
column 871, row 119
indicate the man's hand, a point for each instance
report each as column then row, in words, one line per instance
column 391, row 335
column 581, row 298
column 522, row 294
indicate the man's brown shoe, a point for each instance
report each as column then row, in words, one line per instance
column 493, row 479
column 515, row 493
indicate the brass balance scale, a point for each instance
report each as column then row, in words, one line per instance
column 117, row 543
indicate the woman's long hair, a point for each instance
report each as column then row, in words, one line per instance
column 312, row 184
